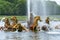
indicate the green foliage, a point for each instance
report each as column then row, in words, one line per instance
column 13, row 7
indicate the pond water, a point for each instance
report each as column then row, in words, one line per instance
column 28, row 36
column 41, row 35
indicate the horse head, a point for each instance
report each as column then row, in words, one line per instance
column 37, row 18
column 14, row 19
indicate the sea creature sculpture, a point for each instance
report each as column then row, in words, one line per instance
column 35, row 23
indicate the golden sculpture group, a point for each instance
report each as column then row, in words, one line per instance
column 17, row 26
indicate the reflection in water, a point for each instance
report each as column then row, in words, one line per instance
column 19, row 36
column 25, row 36
column 28, row 36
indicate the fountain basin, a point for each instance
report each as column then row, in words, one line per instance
column 41, row 35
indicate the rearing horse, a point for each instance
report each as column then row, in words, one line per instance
column 35, row 23
column 16, row 25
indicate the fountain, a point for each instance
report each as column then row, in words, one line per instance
column 36, row 7
column 40, row 8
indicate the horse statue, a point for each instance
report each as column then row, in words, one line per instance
column 16, row 25
column 47, row 20
column 35, row 23
column 46, row 27
column 7, row 26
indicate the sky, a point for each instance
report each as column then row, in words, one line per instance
column 58, row 1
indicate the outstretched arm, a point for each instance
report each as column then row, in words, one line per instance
column 24, row 28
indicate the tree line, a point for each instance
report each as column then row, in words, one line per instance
column 13, row 7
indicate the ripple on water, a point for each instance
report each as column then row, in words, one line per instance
column 28, row 36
